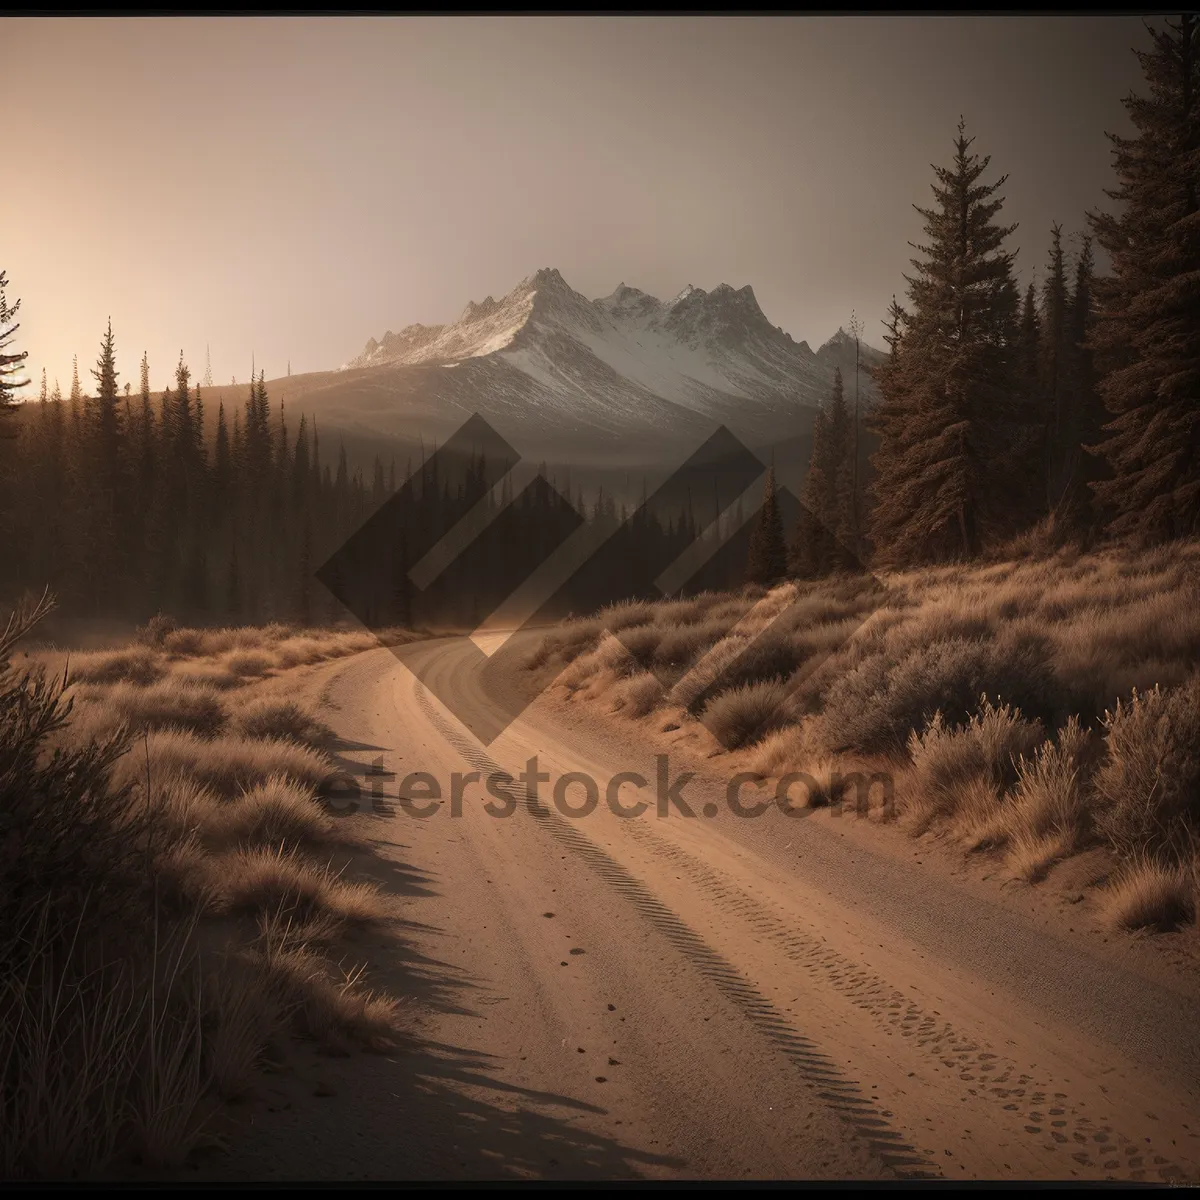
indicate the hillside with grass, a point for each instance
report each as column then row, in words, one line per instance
column 1033, row 710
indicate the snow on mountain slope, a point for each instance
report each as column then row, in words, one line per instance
column 622, row 363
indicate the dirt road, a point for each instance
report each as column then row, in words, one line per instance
column 715, row 996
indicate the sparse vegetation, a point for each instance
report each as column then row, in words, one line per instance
column 167, row 897
column 1033, row 709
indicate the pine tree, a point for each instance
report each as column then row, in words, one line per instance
column 767, row 559
column 1086, row 410
column 208, row 379
column 76, row 390
column 104, row 472
column 107, row 411
column 44, row 395
column 301, row 469
column 1028, row 357
column 1147, row 337
column 223, row 470
column 10, row 360
column 824, row 528
column 951, row 421
column 808, row 554
column 1052, row 375
column 305, row 573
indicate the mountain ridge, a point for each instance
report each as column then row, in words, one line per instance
column 627, row 362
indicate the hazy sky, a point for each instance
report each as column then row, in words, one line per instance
column 290, row 187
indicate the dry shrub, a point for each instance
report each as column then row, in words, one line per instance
column 877, row 704
column 326, row 1003
column 695, row 688
column 1050, row 797
column 204, row 675
column 114, row 1031
column 279, row 880
column 818, row 780
column 1148, row 787
column 626, row 615
column 581, row 670
column 639, row 695
column 1032, row 855
column 786, row 749
column 680, row 647
column 274, row 813
column 165, row 705
column 571, row 639
column 947, row 758
column 250, row 663
column 672, row 614
column 155, row 630
column 227, row 764
column 188, row 643
column 138, row 665
column 284, row 720
column 640, row 643
column 746, row 714
column 1149, row 893
column 767, row 657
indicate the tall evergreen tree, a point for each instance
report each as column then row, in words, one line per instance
column 1028, row 358
column 1087, row 416
column 824, row 527
column 948, row 469
column 10, row 360
column 767, row 560
column 1147, row 336
column 107, row 408
column 104, row 464
column 1053, row 354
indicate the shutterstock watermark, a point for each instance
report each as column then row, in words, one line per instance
column 626, row 794
column 476, row 539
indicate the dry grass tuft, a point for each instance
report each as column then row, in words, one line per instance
column 142, row 823
column 279, row 880
column 137, row 665
column 250, row 663
column 282, row 720
column 1151, row 894
column 1148, row 787
column 274, row 813
column 639, row 695
column 746, row 714
column 164, row 705
column 227, row 764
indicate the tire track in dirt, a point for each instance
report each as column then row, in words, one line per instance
column 817, row 1071
column 1048, row 1113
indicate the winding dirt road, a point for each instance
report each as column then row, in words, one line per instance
column 608, row 997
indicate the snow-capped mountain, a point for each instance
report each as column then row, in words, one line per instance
column 624, row 367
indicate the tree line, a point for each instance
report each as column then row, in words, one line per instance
column 123, row 506
column 1071, row 412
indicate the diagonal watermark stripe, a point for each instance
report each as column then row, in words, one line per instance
column 462, row 545
column 693, row 560
column 488, row 509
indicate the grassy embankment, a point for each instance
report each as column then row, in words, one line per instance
column 1032, row 710
column 169, row 912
